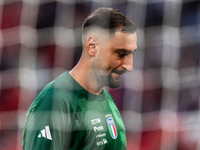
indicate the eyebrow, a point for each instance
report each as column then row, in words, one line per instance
column 127, row 51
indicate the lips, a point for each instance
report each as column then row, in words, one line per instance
column 119, row 72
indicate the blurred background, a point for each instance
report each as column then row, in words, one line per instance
column 159, row 99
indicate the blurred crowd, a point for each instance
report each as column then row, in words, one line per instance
column 159, row 100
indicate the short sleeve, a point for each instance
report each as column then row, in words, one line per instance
column 49, row 124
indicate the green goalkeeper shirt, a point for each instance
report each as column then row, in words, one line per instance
column 66, row 116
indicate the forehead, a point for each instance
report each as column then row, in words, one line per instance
column 122, row 40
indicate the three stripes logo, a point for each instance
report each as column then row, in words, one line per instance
column 45, row 133
column 112, row 128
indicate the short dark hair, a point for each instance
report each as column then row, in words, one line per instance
column 110, row 19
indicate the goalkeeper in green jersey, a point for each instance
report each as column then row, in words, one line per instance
column 75, row 111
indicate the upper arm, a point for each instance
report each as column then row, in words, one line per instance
column 49, row 126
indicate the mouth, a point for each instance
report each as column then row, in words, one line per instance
column 118, row 73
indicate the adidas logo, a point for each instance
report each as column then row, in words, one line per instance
column 45, row 133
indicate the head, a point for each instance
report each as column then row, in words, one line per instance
column 109, row 41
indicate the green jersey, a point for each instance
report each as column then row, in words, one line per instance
column 66, row 116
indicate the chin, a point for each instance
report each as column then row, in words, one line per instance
column 113, row 86
column 111, row 82
column 114, row 83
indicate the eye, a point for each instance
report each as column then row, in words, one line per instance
column 121, row 53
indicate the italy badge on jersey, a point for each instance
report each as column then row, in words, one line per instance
column 112, row 128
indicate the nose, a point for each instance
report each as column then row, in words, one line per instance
column 127, row 63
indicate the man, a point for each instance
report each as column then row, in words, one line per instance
column 75, row 111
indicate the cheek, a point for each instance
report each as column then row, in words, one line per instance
column 112, row 65
column 114, row 62
column 109, row 60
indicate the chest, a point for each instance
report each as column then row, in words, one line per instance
column 99, row 125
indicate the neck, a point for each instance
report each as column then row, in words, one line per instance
column 86, row 78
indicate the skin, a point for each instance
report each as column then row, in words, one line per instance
column 104, row 60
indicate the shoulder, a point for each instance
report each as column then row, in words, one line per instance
column 59, row 94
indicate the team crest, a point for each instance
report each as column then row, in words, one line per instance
column 112, row 128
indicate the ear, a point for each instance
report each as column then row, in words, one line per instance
column 91, row 46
